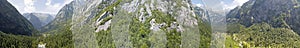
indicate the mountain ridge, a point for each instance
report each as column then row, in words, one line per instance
column 13, row 22
column 38, row 19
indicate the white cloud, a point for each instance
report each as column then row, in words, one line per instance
column 234, row 4
column 19, row 5
column 222, row 6
column 48, row 2
column 199, row 5
column 240, row 2
column 39, row 6
column 29, row 6
column 67, row 1
column 55, row 7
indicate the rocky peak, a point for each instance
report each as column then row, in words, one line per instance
column 117, row 19
column 38, row 19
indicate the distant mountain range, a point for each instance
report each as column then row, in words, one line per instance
column 38, row 19
column 154, row 24
column 62, row 19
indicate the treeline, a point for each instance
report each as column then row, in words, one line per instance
column 59, row 38
column 261, row 35
column 16, row 41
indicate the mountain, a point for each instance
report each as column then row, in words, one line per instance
column 202, row 13
column 130, row 23
column 38, row 19
column 266, row 23
column 146, row 23
column 15, row 30
column 36, row 22
column 12, row 22
column 154, row 24
column 278, row 13
column 62, row 19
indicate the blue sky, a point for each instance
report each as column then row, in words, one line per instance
column 53, row 6
column 39, row 6
column 196, row 1
column 219, row 4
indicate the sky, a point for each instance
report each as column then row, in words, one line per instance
column 197, row 2
column 53, row 6
column 39, row 6
column 219, row 4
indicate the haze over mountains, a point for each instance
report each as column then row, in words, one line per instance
column 153, row 24
column 38, row 19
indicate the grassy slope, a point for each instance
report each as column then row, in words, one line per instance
column 261, row 35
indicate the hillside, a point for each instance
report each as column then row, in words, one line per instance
column 12, row 22
column 62, row 19
column 124, row 23
column 264, row 23
column 38, row 19
column 277, row 13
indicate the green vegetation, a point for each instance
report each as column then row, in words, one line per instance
column 174, row 39
column 16, row 41
column 262, row 35
column 280, row 21
column 104, row 39
column 231, row 43
column 109, row 8
column 62, row 38
column 59, row 37
column 105, row 20
column 161, row 17
column 205, row 33
column 140, row 33
column 178, row 3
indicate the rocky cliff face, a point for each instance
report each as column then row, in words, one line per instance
column 38, row 19
column 153, row 22
column 12, row 22
column 62, row 19
column 202, row 13
column 265, row 22
column 133, row 23
column 278, row 13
